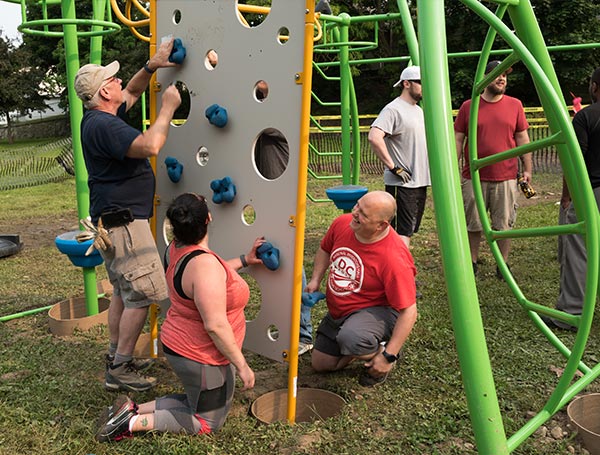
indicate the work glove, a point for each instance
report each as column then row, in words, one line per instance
column 98, row 234
column 402, row 173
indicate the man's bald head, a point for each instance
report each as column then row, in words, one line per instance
column 381, row 203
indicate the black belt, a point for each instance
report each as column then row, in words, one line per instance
column 116, row 218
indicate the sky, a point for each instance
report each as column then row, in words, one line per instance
column 10, row 18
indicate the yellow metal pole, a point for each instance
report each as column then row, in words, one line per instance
column 305, row 78
column 154, row 308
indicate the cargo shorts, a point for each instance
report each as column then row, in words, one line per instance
column 133, row 265
column 500, row 199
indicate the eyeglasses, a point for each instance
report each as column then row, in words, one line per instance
column 109, row 81
column 418, row 81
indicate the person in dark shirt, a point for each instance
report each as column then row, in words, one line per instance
column 573, row 253
column 121, row 183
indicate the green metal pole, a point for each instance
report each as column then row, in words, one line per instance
column 76, row 113
column 144, row 116
column 355, row 127
column 409, row 31
column 528, row 30
column 24, row 313
column 345, row 98
column 454, row 246
column 99, row 7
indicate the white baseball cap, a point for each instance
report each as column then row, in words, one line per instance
column 410, row 73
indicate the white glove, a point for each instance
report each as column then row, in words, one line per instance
column 99, row 234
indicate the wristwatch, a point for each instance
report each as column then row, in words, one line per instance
column 147, row 68
column 391, row 358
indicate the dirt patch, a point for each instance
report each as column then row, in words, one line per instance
column 40, row 232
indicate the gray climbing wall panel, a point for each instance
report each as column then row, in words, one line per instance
column 272, row 52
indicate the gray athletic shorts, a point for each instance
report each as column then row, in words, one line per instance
column 133, row 265
column 357, row 334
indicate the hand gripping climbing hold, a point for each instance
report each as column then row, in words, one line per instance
column 178, row 52
column 269, row 255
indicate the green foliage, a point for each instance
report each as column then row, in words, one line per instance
column 20, row 82
column 122, row 45
column 561, row 23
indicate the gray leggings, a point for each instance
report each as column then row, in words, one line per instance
column 206, row 402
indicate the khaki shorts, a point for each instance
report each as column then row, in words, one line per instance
column 500, row 199
column 133, row 265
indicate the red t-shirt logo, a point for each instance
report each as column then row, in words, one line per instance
column 345, row 272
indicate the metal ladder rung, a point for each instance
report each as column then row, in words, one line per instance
column 554, row 139
column 542, row 231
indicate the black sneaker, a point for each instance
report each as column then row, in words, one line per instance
column 125, row 377
column 499, row 272
column 551, row 323
column 113, row 424
column 138, row 364
column 474, row 268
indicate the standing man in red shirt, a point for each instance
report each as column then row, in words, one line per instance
column 501, row 126
column 370, row 290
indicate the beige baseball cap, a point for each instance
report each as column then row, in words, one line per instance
column 90, row 77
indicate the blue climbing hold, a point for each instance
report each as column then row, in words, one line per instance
column 310, row 299
column 223, row 190
column 178, row 52
column 216, row 115
column 174, row 168
column 269, row 255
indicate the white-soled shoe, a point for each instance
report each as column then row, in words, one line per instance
column 303, row 348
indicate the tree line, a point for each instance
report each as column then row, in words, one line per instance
column 39, row 60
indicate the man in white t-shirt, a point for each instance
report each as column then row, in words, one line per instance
column 397, row 137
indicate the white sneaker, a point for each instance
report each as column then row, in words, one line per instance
column 303, row 348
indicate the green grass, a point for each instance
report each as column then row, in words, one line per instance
column 51, row 389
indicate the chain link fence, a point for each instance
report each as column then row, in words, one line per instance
column 53, row 162
column 325, row 156
column 36, row 165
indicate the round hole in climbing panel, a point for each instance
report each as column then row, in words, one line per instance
column 211, row 60
column 176, row 16
column 248, row 215
column 183, row 111
column 283, row 35
column 261, row 91
column 271, row 153
column 202, row 156
column 251, row 15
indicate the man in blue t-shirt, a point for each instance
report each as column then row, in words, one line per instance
column 121, row 184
